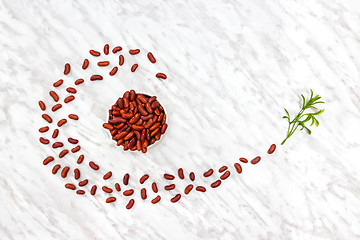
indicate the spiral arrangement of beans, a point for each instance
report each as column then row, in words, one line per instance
column 78, row 182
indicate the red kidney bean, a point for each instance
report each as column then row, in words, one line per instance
column 188, row 189
column 149, row 123
column 93, row 165
column 200, row 189
column 225, row 175
column 238, row 167
column 181, row 173
column 48, row 160
column 106, row 49
column 127, row 115
column 61, row 122
column 103, row 63
column 108, row 126
column 132, row 95
column 256, row 160
column 76, row 173
column 154, row 187
column 144, row 178
column 148, row 108
column 56, row 168
column 128, row 192
column 134, row 51
column 79, row 81
column 121, row 60
column 44, row 129
column 70, row 186
column 223, row 168
column 55, row 133
column 152, row 141
column 63, row 153
column 44, row 140
column 42, row 105
column 54, row 96
column 57, row 145
column 107, row 175
column 169, row 187
column 244, row 160
column 83, row 182
column 216, row 184
column 272, row 149
column 64, row 172
column 96, row 77
column 113, row 71
column 129, row 136
column 135, row 118
column 56, row 107
column 154, row 126
column 93, row 190
column 110, row 199
column 71, row 90
column 73, row 141
column 67, row 69
column 208, row 173
column 117, row 187
column 80, row 192
column 69, row 99
column 116, row 49
column 151, row 57
column 107, row 190
column 94, row 53
column 58, row 83
column 75, row 149
column 134, row 67
column 169, row 176
column 80, row 159
column 156, row 199
column 163, row 128
column 73, row 116
column 126, row 179
column 85, row 64
column 161, row 75
column 176, row 198
column 130, row 204
column 143, row 193
column 192, row 176
column 142, row 110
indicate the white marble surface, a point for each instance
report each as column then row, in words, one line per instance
column 232, row 66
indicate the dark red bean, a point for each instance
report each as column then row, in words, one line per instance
column 70, row 186
column 244, row 160
column 56, row 107
column 134, row 51
column 128, row 192
column 169, row 176
column 44, row 140
column 200, row 189
column 93, row 190
column 208, row 173
column 156, row 199
column 216, row 184
column 107, row 175
column 223, row 168
column 161, row 75
column 272, row 149
column 63, row 153
column 73, row 116
column 256, row 160
column 121, row 60
column 176, row 198
column 106, row 49
column 126, row 179
column 44, row 129
column 163, row 128
column 75, row 149
column 96, row 77
column 116, row 49
column 80, row 192
column 113, row 71
column 85, row 64
column 55, row 133
column 144, row 178
column 238, row 167
column 42, row 105
column 110, row 199
column 64, row 172
column 103, row 63
column 73, row 141
column 93, row 165
column 76, row 173
column 154, row 187
column 188, row 189
column 54, row 96
column 192, row 176
column 225, row 175
column 57, row 145
column 130, row 204
column 61, row 122
column 181, row 173
column 117, row 187
column 58, row 83
column 108, row 126
column 169, row 187
column 134, row 67
column 151, row 57
column 143, row 193
column 83, row 182
column 107, row 190
column 94, row 53
column 79, row 81
column 67, row 69
column 56, row 168
column 69, row 99
column 48, row 160
column 80, row 159
column 71, row 90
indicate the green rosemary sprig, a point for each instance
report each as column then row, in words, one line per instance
column 301, row 118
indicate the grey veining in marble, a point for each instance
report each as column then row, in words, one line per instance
column 232, row 67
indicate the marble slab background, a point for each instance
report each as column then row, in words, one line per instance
column 232, row 67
